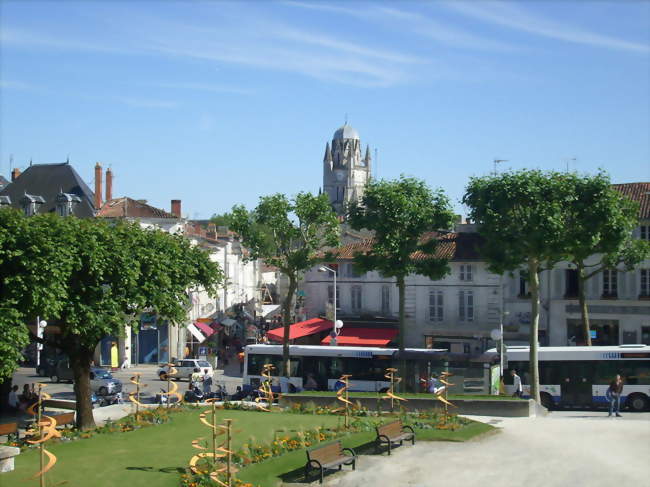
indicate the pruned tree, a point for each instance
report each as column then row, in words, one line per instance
column 92, row 278
column 522, row 217
column 403, row 214
column 290, row 235
column 598, row 233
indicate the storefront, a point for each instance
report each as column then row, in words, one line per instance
column 151, row 344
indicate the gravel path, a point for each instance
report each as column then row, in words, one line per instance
column 560, row 450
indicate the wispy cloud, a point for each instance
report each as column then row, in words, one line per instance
column 209, row 87
column 514, row 17
column 138, row 102
column 18, row 85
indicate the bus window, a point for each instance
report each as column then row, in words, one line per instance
column 256, row 364
column 635, row 372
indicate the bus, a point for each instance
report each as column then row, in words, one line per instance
column 366, row 365
column 580, row 376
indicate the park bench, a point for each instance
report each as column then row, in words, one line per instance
column 9, row 429
column 64, row 419
column 393, row 433
column 328, row 457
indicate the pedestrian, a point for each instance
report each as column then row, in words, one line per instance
column 434, row 385
column 240, row 357
column 613, row 395
column 196, row 378
column 207, row 384
column 516, row 382
column 13, row 399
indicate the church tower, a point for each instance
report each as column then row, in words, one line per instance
column 345, row 172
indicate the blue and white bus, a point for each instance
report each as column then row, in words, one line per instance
column 580, row 376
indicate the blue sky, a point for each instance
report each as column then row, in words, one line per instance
column 218, row 103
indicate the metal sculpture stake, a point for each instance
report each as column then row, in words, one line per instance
column 390, row 394
column 224, row 450
column 265, row 390
column 444, row 392
column 172, row 387
column 343, row 395
column 134, row 397
column 44, row 429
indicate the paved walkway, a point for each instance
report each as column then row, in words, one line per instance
column 561, row 449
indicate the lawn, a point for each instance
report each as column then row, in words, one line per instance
column 156, row 455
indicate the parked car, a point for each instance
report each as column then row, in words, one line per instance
column 101, row 380
column 47, row 367
column 185, row 369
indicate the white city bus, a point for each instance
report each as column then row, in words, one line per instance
column 580, row 376
column 366, row 365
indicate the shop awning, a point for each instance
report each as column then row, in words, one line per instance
column 206, row 329
column 363, row 337
column 301, row 329
column 196, row 333
column 270, row 309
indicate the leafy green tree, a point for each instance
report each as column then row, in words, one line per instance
column 598, row 233
column 221, row 220
column 522, row 217
column 400, row 213
column 290, row 235
column 91, row 278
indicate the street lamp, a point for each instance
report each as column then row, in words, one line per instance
column 338, row 324
column 40, row 327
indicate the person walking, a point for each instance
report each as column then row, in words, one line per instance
column 613, row 395
column 516, row 381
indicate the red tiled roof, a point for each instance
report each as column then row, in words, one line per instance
column 452, row 246
column 301, row 329
column 363, row 337
column 639, row 192
column 126, row 207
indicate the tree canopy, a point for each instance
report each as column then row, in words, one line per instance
column 290, row 235
column 91, row 278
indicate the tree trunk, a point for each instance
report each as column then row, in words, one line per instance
column 584, row 313
column 533, row 271
column 401, row 287
column 286, row 318
column 80, row 359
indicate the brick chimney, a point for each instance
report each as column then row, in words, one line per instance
column 109, row 184
column 98, row 186
column 176, row 208
column 15, row 172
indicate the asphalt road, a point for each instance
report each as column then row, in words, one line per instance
column 565, row 448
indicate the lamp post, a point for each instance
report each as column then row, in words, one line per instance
column 40, row 327
column 338, row 324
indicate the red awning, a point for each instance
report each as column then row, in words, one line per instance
column 206, row 329
column 301, row 329
column 363, row 337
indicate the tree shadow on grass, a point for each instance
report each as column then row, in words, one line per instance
column 159, row 470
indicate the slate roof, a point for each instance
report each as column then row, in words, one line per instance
column 452, row 246
column 47, row 181
column 3, row 181
column 126, row 207
column 639, row 192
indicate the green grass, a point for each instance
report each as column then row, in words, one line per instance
column 409, row 395
column 156, row 455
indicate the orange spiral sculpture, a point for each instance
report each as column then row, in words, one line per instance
column 134, row 397
column 390, row 394
column 44, row 429
column 266, row 392
column 172, row 387
column 343, row 395
column 441, row 395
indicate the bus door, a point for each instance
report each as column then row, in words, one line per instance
column 576, row 379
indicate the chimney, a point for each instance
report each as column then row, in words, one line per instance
column 109, row 184
column 98, row 186
column 15, row 172
column 176, row 208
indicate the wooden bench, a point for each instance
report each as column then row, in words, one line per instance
column 328, row 457
column 9, row 429
column 393, row 433
column 64, row 419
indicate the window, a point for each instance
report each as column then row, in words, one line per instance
column 645, row 232
column 524, row 292
column 466, row 305
column 644, row 283
column 385, row 300
column 571, row 283
column 436, row 312
column 356, row 297
column 465, row 272
column 610, row 283
column 352, row 272
column 330, row 296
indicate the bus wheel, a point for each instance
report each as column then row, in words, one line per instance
column 637, row 402
column 547, row 400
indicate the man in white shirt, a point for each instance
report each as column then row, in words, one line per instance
column 516, row 381
column 13, row 399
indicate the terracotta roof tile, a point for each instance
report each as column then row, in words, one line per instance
column 639, row 192
column 126, row 207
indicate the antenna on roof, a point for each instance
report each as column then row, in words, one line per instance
column 30, row 161
column 346, row 119
column 67, row 159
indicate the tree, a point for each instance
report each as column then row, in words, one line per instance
column 290, row 236
column 401, row 213
column 598, row 233
column 91, row 278
column 221, row 220
column 522, row 218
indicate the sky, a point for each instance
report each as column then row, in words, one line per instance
column 219, row 103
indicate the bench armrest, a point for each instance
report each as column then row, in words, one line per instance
column 350, row 450
column 383, row 438
column 316, row 462
column 407, row 427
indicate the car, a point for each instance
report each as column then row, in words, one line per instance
column 47, row 367
column 185, row 369
column 101, row 381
